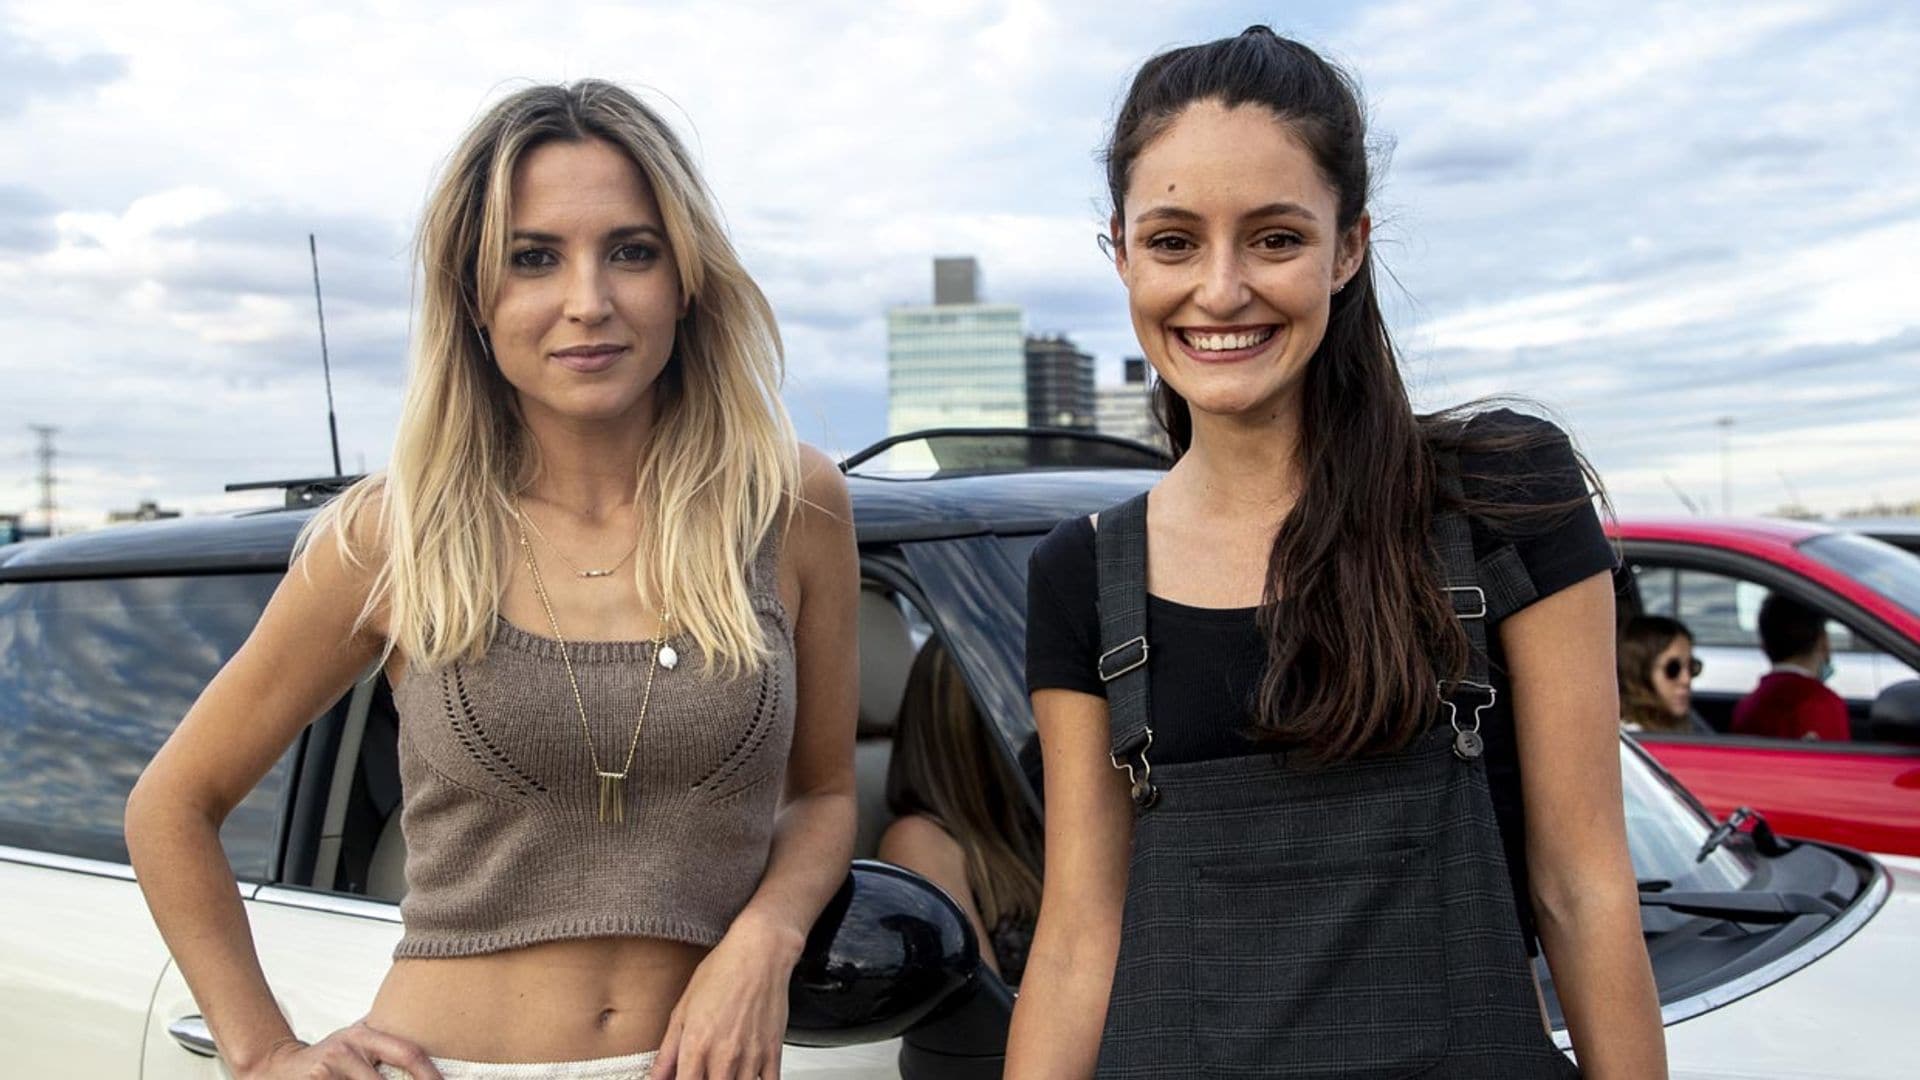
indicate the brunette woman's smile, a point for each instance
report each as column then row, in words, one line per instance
column 1225, row 344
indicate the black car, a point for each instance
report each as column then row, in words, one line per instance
column 107, row 637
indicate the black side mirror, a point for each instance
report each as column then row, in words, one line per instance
column 887, row 951
column 1895, row 716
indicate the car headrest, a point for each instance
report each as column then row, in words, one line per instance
column 886, row 655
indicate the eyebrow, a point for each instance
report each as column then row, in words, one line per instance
column 624, row 232
column 1177, row 213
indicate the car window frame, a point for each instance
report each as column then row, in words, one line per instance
column 1864, row 623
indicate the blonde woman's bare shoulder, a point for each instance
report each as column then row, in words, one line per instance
column 823, row 488
column 819, row 542
column 342, row 550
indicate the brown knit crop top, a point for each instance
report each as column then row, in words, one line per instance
column 499, row 810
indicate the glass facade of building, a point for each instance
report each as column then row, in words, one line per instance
column 955, row 365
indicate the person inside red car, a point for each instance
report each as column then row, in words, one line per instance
column 1792, row 701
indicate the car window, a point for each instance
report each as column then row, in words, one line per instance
column 93, row 677
column 1884, row 568
column 1665, row 834
column 1719, row 609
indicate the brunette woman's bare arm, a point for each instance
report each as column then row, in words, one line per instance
column 302, row 656
column 1565, row 709
column 730, row 1020
column 1062, row 1007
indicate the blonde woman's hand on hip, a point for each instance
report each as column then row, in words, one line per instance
column 352, row 1053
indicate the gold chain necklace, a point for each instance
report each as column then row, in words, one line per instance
column 613, row 798
column 520, row 513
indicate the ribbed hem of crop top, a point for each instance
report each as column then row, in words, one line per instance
column 424, row 944
column 500, row 804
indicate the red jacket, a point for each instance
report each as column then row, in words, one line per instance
column 1789, row 705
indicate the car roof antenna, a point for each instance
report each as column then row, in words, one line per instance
column 326, row 366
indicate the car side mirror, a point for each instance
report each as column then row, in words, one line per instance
column 1895, row 716
column 889, row 949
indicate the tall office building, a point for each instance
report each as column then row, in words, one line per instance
column 958, row 362
column 1126, row 410
column 1059, row 384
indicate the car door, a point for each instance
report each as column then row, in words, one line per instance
column 1862, row 794
column 93, row 676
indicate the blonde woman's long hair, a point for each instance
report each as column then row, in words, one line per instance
column 719, row 471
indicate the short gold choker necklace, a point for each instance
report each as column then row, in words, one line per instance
column 520, row 513
column 613, row 796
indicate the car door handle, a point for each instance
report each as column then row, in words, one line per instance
column 192, row 1034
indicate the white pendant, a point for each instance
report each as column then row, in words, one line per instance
column 668, row 658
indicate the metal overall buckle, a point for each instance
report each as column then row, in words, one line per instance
column 1125, row 657
column 1467, row 743
column 1145, row 794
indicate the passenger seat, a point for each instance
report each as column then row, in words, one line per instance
column 887, row 650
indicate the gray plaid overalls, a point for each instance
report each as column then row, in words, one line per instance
column 1353, row 920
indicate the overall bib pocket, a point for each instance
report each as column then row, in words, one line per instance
column 1289, row 960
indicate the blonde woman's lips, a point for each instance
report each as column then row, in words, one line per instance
column 589, row 359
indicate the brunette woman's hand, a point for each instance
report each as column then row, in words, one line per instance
column 730, row 1021
column 352, row 1053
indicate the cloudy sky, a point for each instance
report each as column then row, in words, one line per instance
column 1647, row 217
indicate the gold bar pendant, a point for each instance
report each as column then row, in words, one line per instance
column 613, row 797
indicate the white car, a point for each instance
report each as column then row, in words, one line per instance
column 1773, row 960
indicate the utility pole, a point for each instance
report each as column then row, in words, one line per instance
column 48, row 508
column 1725, row 424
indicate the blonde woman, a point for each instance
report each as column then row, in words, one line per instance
column 616, row 604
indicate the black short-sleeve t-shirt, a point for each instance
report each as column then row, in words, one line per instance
column 1206, row 663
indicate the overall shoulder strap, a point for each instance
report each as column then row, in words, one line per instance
column 1120, row 549
column 1482, row 592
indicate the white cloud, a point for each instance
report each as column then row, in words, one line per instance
column 1585, row 204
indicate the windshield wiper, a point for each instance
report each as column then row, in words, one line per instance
column 1764, row 839
column 1762, row 907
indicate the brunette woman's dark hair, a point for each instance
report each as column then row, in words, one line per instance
column 944, row 767
column 1360, row 633
column 1642, row 640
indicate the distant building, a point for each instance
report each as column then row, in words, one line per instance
column 148, row 510
column 1059, row 384
column 957, row 362
column 1126, row 410
column 14, row 527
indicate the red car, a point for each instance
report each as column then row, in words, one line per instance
column 1712, row 575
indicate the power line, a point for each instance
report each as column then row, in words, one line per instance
column 48, row 506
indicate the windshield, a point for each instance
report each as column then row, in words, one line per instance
column 1665, row 833
column 1881, row 567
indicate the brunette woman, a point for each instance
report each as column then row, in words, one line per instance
column 1657, row 668
column 1328, row 717
column 615, row 600
column 959, row 818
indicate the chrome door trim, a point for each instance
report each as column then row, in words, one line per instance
column 54, row 861
column 336, row 903
column 193, row 1036
column 1832, row 937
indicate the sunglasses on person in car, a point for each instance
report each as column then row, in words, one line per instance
column 1672, row 668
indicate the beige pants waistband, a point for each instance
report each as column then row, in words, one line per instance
column 628, row 1067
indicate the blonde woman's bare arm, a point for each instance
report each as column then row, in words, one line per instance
column 1062, row 1007
column 1565, row 708
column 731, row 1019
column 301, row 657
